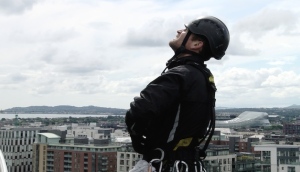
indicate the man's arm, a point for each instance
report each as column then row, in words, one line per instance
column 156, row 98
column 154, row 101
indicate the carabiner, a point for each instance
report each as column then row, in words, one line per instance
column 158, row 160
column 201, row 167
column 176, row 163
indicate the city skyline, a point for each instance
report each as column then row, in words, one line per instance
column 103, row 53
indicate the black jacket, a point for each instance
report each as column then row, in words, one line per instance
column 173, row 106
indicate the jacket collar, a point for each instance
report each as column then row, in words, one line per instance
column 185, row 60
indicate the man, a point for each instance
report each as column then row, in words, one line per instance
column 175, row 112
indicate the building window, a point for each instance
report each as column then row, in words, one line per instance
column 122, row 155
column 291, row 169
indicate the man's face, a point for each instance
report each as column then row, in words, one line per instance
column 191, row 44
column 176, row 42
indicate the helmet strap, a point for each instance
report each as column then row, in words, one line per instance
column 181, row 49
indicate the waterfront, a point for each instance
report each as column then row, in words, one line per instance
column 10, row 116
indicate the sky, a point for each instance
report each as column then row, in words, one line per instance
column 104, row 52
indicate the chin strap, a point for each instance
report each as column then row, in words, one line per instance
column 182, row 48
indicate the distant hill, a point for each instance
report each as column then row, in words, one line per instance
column 65, row 109
column 217, row 108
column 293, row 110
column 293, row 107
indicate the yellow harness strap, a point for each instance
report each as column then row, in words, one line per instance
column 183, row 143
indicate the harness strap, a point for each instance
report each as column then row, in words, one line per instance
column 211, row 103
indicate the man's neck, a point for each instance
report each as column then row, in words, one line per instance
column 183, row 55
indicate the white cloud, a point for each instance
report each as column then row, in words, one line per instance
column 248, row 87
column 105, row 52
column 16, row 6
column 282, row 80
column 267, row 20
column 265, row 30
column 287, row 60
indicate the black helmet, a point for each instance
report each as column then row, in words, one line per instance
column 215, row 31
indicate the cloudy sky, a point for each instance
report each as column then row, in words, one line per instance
column 104, row 52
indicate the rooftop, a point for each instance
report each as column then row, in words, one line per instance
column 49, row 135
column 278, row 146
column 87, row 146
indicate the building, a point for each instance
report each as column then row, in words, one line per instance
column 275, row 137
column 236, row 144
column 292, row 128
column 127, row 160
column 90, row 131
column 120, row 133
column 246, row 162
column 90, row 134
column 289, row 167
column 39, row 152
column 274, row 119
column 279, row 158
column 219, row 159
column 246, row 119
column 235, row 140
column 51, row 156
column 61, row 133
column 16, row 145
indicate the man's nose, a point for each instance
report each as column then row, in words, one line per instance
column 179, row 31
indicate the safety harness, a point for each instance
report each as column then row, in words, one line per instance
column 200, row 150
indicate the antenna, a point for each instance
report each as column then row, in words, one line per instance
column 16, row 120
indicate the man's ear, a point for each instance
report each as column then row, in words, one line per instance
column 197, row 45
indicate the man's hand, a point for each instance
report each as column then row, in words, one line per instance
column 136, row 131
column 134, row 127
column 138, row 143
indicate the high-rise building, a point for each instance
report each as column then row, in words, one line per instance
column 16, row 145
column 51, row 156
